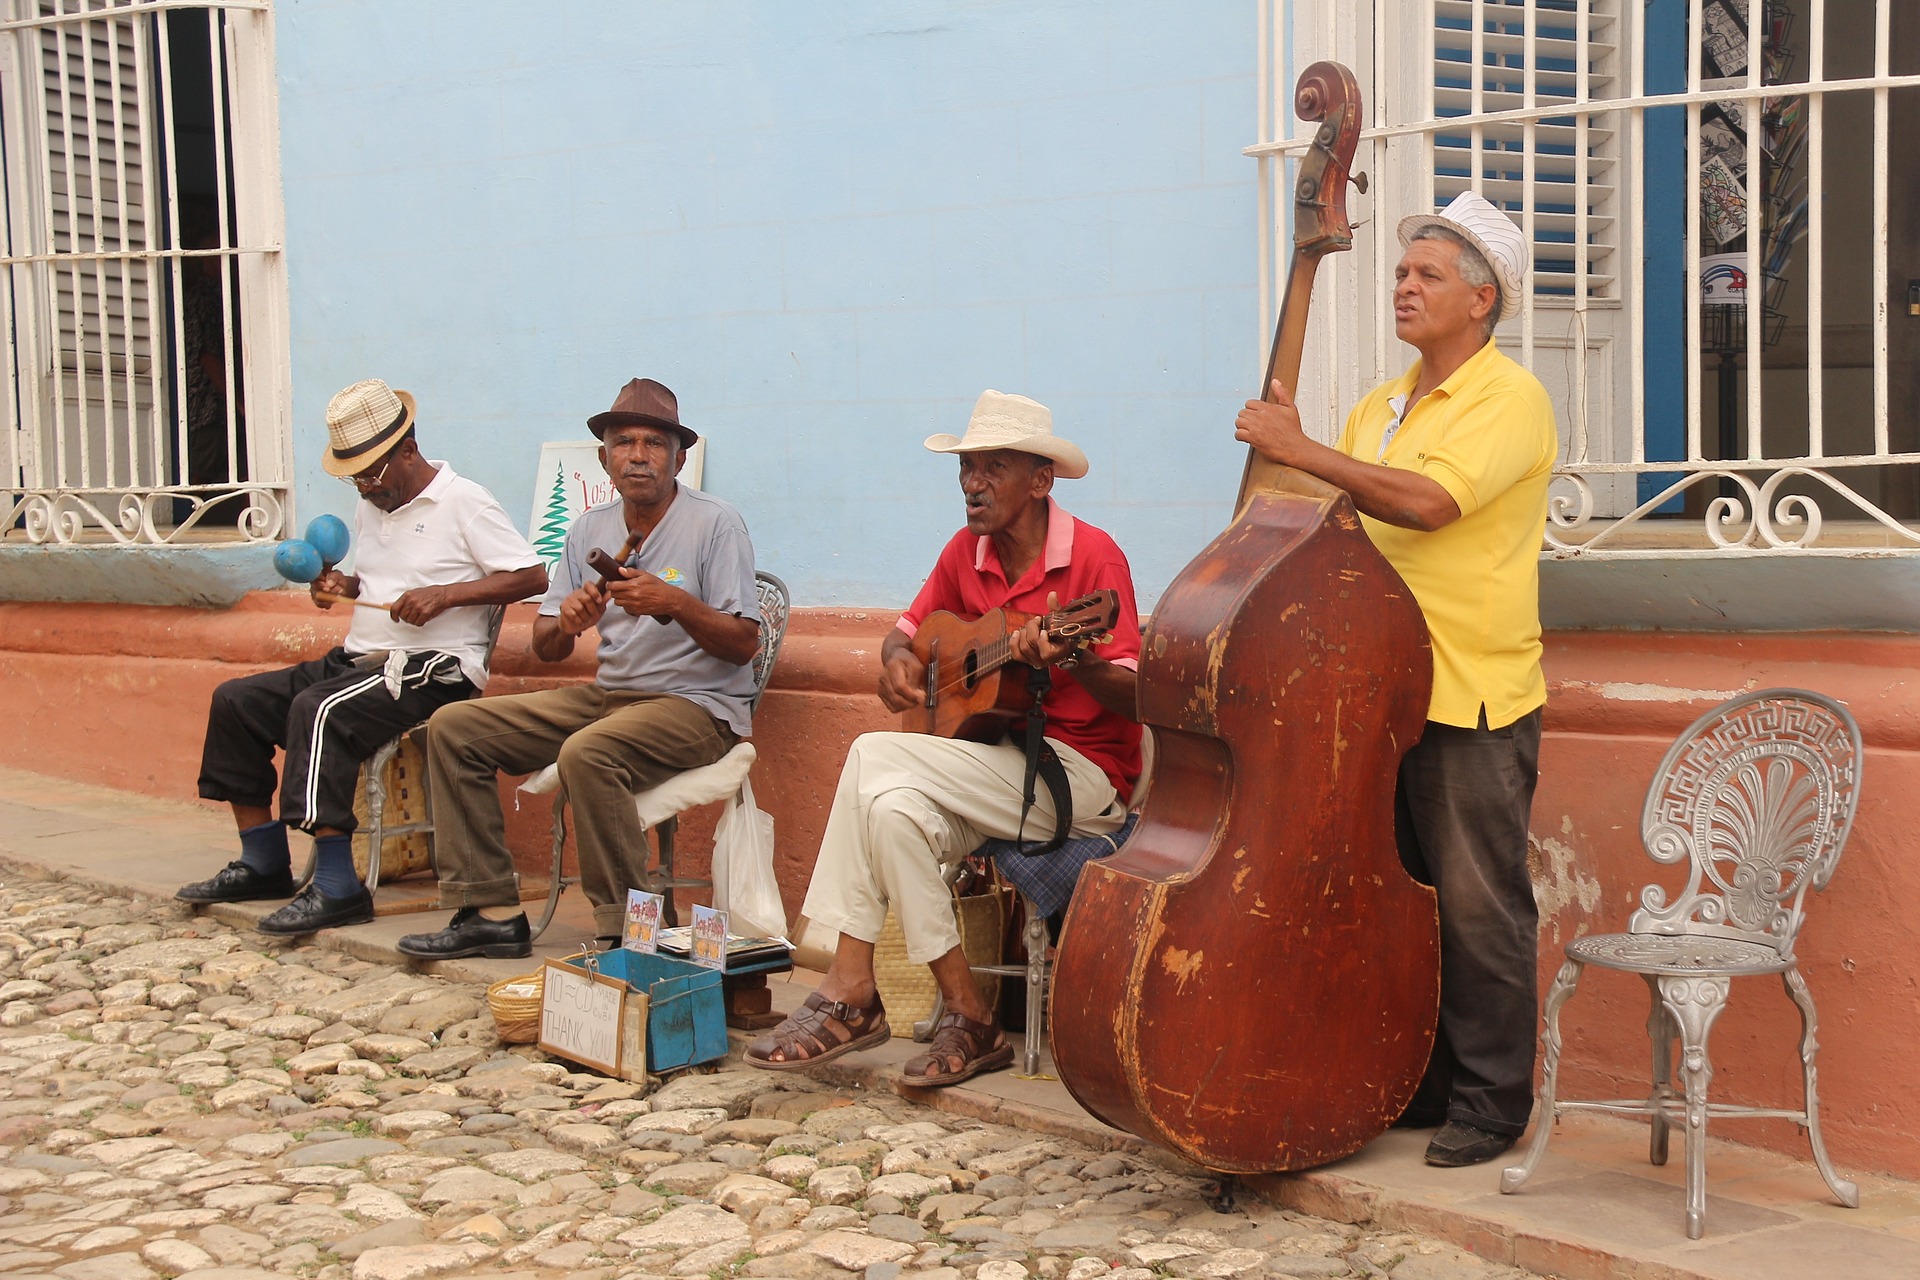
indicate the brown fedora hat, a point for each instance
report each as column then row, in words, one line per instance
column 643, row 403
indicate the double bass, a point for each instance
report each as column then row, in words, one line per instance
column 1252, row 980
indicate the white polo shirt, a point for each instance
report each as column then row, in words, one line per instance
column 452, row 532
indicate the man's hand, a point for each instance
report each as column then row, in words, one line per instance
column 1033, row 646
column 641, row 593
column 583, row 609
column 1272, row 427
column 421, row 605
column 332, row 582
column 903, row 681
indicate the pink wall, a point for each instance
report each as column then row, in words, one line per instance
column 117, row 695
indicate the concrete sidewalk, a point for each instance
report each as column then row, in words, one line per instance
column 1595, row 1209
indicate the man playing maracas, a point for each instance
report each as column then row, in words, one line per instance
column 441, row 549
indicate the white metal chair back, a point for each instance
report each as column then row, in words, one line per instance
column 1757, row 796
column 776, row 602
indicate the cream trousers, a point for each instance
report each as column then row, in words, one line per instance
column 907, row 804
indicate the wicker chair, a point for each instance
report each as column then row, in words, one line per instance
column 660, row 807
column 1757, row 796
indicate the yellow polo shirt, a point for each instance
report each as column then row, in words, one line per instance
column 1486, row 436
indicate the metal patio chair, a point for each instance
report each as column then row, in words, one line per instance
column 1757, row 797
column 660, row 807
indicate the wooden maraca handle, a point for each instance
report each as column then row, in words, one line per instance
column 335, row 598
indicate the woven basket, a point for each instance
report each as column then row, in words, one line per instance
column 908, row 989
column 516, row 1006
column 404, row 855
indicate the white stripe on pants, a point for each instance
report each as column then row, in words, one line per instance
column 908, row 803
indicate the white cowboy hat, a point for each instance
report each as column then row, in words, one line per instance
column 1487, row 229
column 1002, row 421
column 363, row 422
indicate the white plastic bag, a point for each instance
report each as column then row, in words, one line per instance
column 743, row 882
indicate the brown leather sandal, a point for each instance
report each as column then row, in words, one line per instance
column 820, row 1030
column 961, row 1048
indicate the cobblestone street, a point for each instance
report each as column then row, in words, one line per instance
column 182, row 1099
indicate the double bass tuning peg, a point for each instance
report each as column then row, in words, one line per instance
column 1359, row 181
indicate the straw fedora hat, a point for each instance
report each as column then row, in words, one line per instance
column 1487, row 229
column 1002, row 421
column 364, row 421
column 643, row 403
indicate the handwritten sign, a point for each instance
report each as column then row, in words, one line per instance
column 570, row 479
column 580, row 1016
column 709, row 938
column 643, row 921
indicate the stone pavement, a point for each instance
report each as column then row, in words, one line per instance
column 180, row 1096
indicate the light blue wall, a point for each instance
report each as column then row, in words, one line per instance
column 826, row 226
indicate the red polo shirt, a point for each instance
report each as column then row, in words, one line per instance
column 968, row 580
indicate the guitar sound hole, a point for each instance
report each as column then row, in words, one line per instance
column 972, row 677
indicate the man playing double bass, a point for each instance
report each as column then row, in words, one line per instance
column 1449, row 466
column 909, row 802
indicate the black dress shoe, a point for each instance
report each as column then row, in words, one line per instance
column 238, row 882
column 1459, row 1144
column 471, row 934
column 312, row 910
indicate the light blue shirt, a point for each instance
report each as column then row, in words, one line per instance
column 700, row 546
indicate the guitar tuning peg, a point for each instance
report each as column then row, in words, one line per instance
column 1359, row 181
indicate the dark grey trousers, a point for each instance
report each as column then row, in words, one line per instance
column 1461, row 814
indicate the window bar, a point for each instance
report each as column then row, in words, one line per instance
column 1882, row 68
column 12, row 448
column 1529, row 170
column 163, row 73
column 1264, row 164
column 143, row 77
column 1751, row 109
column 1477, row 75
column 1381, row 242
column 130, row 268
column 219, row 70
column 1632, row 179
column 1582, row 198
column 109, row 475
column 62, row 437
column 1816, row 235
column 1692, row 232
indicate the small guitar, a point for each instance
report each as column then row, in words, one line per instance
column 974, row 687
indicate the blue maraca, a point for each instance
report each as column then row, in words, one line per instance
column 328, row 535
column 297, row 560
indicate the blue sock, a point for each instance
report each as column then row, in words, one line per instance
column 264, row 849
column 333, row 872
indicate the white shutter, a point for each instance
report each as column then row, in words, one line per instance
column 1563, row 37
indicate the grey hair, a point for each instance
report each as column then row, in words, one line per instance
column 1472, row 265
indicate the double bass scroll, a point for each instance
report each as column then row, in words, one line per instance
column 1252, row 980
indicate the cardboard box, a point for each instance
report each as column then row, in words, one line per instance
column 666, row 1013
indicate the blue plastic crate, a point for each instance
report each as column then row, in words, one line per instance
column 686, row 1012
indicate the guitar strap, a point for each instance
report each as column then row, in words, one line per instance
column 1043, row 762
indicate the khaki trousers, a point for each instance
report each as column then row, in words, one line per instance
column 907, row 804
column 609, row 744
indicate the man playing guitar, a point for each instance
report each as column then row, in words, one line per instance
column 909, row 802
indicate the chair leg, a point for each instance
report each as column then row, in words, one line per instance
column 1660, row 1033
column 377, row 810
column 1846, row 1192
column 558, row 870
column 1694, row 1003
column 1544, row 1116
column 663, row 836
column 1039, row 969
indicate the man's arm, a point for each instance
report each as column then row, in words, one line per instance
column 553, row 636
column 1113, row 686
column 903, row 677
column 423, row 604
column 1388, row 494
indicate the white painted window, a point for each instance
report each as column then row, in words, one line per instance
column 1688, row 427
column 146, row 385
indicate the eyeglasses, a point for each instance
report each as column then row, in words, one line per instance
column 362, row 483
